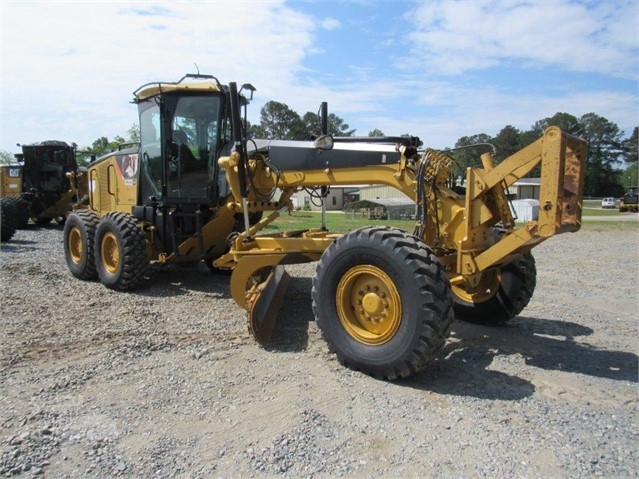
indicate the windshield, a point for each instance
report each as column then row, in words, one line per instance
column 195, row 139
column 196, row 131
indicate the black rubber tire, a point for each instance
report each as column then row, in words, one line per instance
column 79, row 243
column 516, row 288
column 424, row 310
column 22, row 211
column 7, row 220
column 119, row 236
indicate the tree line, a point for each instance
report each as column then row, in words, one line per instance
column 611, row 163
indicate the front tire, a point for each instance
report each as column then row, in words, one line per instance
column 382, row 301
column 79, row 243
column 120, row 252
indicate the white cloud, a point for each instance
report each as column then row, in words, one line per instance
column 330, row 24
column 80, row 62
column 72, row 74
column 457, row 36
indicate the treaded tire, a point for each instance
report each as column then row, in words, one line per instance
column 120, row 251
column 398, row 266
column 79, row 243
column 7, row 220
column 22, row 211
column 518, row 281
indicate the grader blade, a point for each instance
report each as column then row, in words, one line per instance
column 264, row 304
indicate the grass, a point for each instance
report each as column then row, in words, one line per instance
column 339, row 222
column 335, row 222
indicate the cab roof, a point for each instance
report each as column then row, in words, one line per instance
column 203, row 83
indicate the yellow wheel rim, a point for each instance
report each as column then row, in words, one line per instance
column 76, row 245
column 368, row 305
column 110, row 252
column 485, row 290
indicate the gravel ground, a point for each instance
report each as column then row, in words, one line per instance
column 166, row 382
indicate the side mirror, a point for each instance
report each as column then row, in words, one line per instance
column 324, row 142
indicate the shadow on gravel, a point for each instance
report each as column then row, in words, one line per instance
column 463, row 366
column 551, row 345
column 18, row 246
column 15, row 245
column 180, row 279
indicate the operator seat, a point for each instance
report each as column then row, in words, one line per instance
column 187, row 159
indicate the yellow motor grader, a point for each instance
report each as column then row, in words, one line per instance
column 197, row 188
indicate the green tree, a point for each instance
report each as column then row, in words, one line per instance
column 507, row 142
column 605, row 153
column 565, row 121
column 6, row 158
column 312, row 126
column 376, row 133
column 630, row 177
column 468, row 150
column 279, row 122
column 103, row 145
column 134, row 133
column 338, row 127
column 631, row 148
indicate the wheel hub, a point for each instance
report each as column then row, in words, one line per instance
column 369, row 305
column 110, row 252
column 76, row 246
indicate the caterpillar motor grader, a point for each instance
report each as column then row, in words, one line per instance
column 383, row 298
column 44, row 184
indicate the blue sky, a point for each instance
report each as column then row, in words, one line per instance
column 438, row 70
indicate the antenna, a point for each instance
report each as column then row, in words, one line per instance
column 197, row 68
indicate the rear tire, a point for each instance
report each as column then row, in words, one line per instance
column 120, row 251
column 382, row 301
column 79, row 243
column 7, row 220
column 22, row 211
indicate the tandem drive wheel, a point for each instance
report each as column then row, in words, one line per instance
column 79, row 235
column 120, row 251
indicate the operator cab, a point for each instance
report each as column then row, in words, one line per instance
column 184, row 128
column 182, row 134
